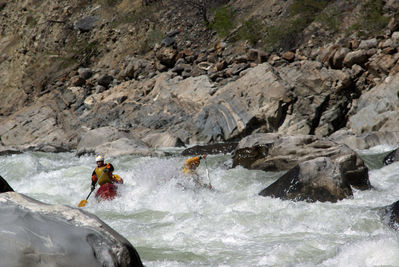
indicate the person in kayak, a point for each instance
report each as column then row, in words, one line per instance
column 102, row 173
column 190, row 166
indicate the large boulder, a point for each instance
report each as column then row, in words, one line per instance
column 4, row 186
column 111, row 142
column 35, row 127
column 365, row 140
column 377, row 109
column 319, row 179
column 277, row 152
column 223, row 148
column 37, row 234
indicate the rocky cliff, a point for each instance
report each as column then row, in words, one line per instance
column 135, row 75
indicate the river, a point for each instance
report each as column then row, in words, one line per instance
column 171, row 222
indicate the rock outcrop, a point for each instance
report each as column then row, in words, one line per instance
column 275, row 152
column 38, row 234
column 319, row 179
column 4, row 186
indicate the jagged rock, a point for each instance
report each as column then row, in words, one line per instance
column 365, row 140
column 111, row 142
column 167, row 56
column 325, row 54
column 358, row 57
column 38, row 234
column 133, row 69
column 34, row 127
column 77, row 81
column 168, row 41
column 86, row 24
column 157, row 140
column 105, row 80
column 289, row 56
column 98, row 89
column 257, row 56
column 4, row 186
column 277, row 152
column 125, row 146
column 392, row 214
column 391, row 157
column 319, row 179
column 377, row 109
column 339, row 56
column 210, row 149
column 85, row 73
column 368, row 44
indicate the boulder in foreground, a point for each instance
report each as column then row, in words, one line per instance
column 33, row 233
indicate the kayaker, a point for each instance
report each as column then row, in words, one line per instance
column 102, row 173
column 190, row 166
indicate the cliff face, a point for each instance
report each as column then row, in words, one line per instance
column 160, row 75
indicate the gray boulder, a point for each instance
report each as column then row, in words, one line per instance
column 319, row 179
column 111, row 142
column 36, row 234
column 36, row 127
column 4, row 186
column 86, row 24
column 277, row 152
column 377, row 109
column 365, row 140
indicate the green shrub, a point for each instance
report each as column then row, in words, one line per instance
column 251, row 30
column 287, row 34
column 223, row 22
column 308, row 8
column 374, row 20
column 153, row 37
column 331, row 18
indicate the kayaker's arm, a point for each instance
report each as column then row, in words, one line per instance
column 93, row 180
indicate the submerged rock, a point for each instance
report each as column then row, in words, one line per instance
column 391, row 212
column 33, row 233
column 391, row 157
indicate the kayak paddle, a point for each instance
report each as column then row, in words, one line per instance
column 83, row 202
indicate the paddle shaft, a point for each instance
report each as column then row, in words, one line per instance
column 83, row 203
column 89, row 194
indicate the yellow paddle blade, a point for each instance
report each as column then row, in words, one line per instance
column 82, row 203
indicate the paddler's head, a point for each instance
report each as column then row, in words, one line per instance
column 100, row 161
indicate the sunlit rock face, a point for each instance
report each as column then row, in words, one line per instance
column 33, row 233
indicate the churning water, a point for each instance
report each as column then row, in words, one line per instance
column 171, row 222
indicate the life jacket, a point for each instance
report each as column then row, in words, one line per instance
column 191, row 164
column 103, row 177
